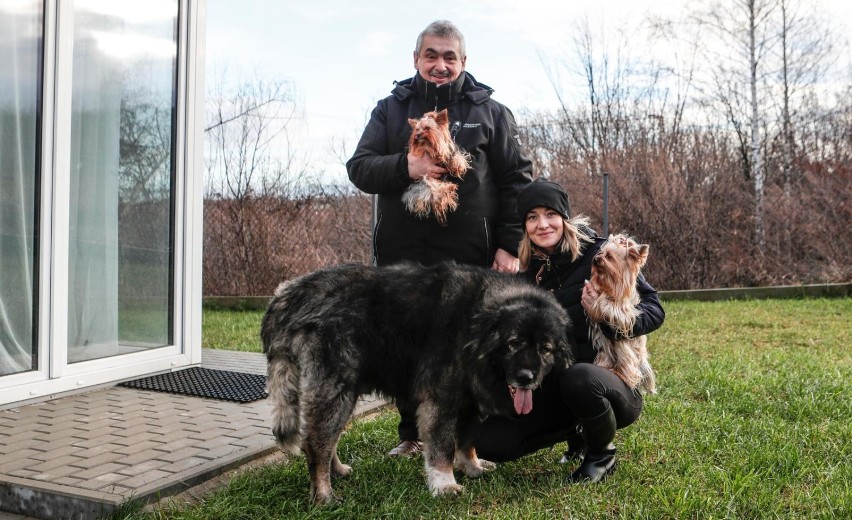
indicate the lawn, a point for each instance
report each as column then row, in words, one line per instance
column 753, row 420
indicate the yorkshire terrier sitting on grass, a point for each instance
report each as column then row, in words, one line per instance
column 435, row 197
column 615, row 269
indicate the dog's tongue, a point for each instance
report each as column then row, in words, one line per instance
column 523, row 401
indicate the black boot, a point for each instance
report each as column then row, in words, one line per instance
column 576, row 445
column 600, row 452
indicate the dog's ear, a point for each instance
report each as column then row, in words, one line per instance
column 564, row 352
column 639, row 253
column 486, row 329
column 442, row 118
column 413, row 122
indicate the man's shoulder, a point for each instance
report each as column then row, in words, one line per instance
column 402, row 89
column 478, row 93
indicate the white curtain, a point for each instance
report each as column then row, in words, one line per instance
column 20, row 35
column 93, row 220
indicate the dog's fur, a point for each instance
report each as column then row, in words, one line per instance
column 614, row 272
column 430, row 135
column 459, row 342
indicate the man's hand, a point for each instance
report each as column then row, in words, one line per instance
column 423, row 166
column 504, row 262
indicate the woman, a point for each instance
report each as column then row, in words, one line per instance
column 583, row 404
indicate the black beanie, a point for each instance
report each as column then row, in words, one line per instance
column 542, row 192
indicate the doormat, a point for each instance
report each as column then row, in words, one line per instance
column 206, row 382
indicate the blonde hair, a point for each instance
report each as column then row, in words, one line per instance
column 573, row 235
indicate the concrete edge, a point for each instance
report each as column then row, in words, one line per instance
column 827, row 290
column 833, row 290
column 44, row 500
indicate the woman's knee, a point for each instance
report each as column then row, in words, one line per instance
column 590, row 390
column 581, row 379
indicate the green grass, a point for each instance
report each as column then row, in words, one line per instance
column 753, row 420
column 231, row 330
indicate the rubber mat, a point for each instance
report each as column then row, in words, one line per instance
column 206, row 382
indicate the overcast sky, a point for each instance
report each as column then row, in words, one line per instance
column 342, row 56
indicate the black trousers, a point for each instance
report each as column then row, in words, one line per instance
column 583, row 391
column 548, row 414
column 407, row 428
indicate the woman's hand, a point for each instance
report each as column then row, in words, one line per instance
column 587, row 299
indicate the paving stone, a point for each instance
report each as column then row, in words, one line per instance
column 133, row 470
column 145, row 479
column 58, row 462
column 142, row 456
column 103, row 469
column 142, row 444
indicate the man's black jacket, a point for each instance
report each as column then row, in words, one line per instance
column 487, row 214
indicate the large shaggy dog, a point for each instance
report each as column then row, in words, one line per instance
column 461, row 343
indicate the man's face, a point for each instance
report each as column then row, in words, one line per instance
column 440, row 60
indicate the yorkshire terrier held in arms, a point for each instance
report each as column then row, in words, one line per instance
column 428, row 196
column 615, row 270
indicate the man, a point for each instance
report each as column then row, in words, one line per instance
column 485, row 228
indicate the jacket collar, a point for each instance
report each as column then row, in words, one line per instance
column 443, row 95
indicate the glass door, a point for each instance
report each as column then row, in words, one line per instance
column 122, row 183
column 101, row 111
column 21, row 36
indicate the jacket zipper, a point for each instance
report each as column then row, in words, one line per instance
column 487, row 243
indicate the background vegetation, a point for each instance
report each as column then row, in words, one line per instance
column 728, row 149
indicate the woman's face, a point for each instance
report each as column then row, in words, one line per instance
column 544, row 226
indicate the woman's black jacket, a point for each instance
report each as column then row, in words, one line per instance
column 565, row 279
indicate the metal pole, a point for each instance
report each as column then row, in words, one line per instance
column 605, row 204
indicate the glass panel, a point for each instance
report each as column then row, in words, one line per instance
column 122, row 180
column 21, row 29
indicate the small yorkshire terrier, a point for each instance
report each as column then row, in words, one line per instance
column 431, row 135
column 615, row 269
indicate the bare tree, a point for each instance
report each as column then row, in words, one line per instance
column 690, row 148
column 267, row 216
column 249, row 169
column 803, row 54
column 744, row 37
column 248, row 139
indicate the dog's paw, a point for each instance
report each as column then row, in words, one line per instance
column 478, row 468
column 342, row 470
column 448, row 490
column 487, row 465
column 442, row 482
column 324, row 499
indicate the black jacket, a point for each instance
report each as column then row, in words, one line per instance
column 565, row 279
column 486, row 218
